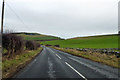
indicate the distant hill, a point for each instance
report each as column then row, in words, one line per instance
column 101, row 41
column 37, row 36
column 97, row 36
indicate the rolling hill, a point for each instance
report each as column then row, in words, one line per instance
column 37, row 36
column 102, row 41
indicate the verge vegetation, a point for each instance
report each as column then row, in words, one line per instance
column 110, row 60
column 17, row 52
column 11, row 66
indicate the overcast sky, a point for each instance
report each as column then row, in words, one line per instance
column 63, row 18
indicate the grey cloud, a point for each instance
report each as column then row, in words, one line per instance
column 64, row 18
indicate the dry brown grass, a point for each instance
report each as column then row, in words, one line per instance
column 12, row 66
column 110, row 60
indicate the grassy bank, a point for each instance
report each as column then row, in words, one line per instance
column 104, row 41
column 110, row 60
column 10, row 67
column 37, row 37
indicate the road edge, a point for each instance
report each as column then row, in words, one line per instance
column 20, row 67
column 88, row 58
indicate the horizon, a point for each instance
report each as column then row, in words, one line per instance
column 68, row 38
column 62, row 18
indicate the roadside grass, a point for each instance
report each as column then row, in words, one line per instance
column 110, row 60
column 10, row 66
column 105, row 41
column 4, row 51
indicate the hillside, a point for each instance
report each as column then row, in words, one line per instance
column 102, row 41
column 37, row 36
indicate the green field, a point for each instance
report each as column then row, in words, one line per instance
column 38, row 37
column 104, row 41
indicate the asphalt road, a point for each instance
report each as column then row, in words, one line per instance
column 53, row 63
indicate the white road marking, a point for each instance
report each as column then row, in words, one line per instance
column 97, row 69
column 51, row 50
column 54, row 52
column 58, row 56
column 76, row 71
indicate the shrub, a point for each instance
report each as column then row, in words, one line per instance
column 12, row 43
column 57, row 45
column 38, row 45
column 48, row 45
column 19, row 47
column 32, row 45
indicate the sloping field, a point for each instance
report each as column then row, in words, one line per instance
column 37, row 37
column 103, row 41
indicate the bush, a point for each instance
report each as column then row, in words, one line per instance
column 57, row 45
column 38, row 45
column 12, row 43
column 19, row 45
column 32, row 45
column 48, row 45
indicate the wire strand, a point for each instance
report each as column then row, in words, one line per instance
column 17, row 16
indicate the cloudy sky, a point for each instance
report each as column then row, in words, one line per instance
column 63, row 18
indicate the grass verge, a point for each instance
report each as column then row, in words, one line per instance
column 12, row 66
column 110, row 60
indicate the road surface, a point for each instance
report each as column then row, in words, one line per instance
column 53, row 63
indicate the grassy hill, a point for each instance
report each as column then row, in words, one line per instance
column 103, row 41
column 37, row 37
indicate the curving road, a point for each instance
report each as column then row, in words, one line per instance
column 53, row 63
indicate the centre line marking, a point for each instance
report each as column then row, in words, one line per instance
column 58, row 56
column 76, row 71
